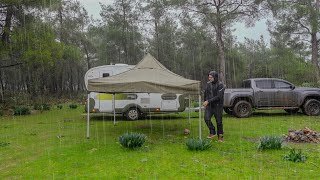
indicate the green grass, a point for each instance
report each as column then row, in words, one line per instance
column 53, row 145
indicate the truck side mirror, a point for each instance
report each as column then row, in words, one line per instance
column 292, row 87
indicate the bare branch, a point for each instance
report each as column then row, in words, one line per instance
column 11, row 65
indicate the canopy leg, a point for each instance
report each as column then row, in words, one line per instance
column 88, row 116
column 200, row 119
column 114, row 108
column 189, row 112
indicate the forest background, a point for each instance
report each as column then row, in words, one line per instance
column 47, row 46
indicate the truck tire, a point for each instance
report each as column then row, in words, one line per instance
column 242, row 109
column 312, row 107
column 228, row 111
column 292, row 111
column 133, row 114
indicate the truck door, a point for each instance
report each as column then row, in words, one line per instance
column 285, row 96
column 264, row 93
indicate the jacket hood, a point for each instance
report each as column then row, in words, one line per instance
column 215, row 75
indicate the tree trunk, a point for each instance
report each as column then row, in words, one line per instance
column 7, row 25
column 221, row 55
column 314, row 58
column 2, row 87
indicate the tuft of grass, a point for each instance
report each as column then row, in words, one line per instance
column 3, row 144
column 270, row 142
column 132, row 140
column 59, row 106
column 295, row 156
column 198, row 144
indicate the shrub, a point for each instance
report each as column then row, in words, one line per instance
column 59, row 106
column 198, row 144
column 132, row 140
column 21, row 111
column 195, row 104
column 295, row 156
column 43, row 107
column 270, row 142
column 73, row 106
column 37, row 107
column 1, row 112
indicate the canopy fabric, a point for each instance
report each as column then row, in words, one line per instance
column 149, row 75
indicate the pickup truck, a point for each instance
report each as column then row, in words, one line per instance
column 271, row 93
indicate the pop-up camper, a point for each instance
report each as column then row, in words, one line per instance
column 131, row 105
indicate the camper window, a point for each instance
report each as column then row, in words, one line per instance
column 132, row 96
column 105, row 75
column 169, row 96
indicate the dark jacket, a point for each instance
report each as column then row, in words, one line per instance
column 214, row 93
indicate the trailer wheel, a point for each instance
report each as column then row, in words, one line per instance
column 133, row 114
column 242, row 109
column 312, row 107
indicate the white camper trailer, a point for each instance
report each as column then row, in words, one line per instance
column 131, row 105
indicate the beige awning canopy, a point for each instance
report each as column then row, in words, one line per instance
column 149, row 75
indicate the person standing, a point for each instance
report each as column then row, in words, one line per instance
column 213, row 104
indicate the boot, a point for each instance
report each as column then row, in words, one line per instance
column 220, row 138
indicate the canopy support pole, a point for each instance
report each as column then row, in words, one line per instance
column 88, row 116
column 200, row 133
column 189, row 110
column 114, row 108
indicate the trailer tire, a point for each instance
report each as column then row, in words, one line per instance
column 133, row 113
column 242, row 109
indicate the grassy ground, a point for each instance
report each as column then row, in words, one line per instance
column 52, row 145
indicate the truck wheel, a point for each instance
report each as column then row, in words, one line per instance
column 312, row 107
column 292, row 111
column 228, row 111
column 133, row 114
column 242, row 109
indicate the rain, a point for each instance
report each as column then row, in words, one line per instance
column 159, row 89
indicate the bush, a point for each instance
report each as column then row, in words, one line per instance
column 198, row 144
column 37, row 107
column 195, row 104
column 73, row 106
column 295, row 156
column 1, row 112
column 59, row 106
column 43, row 107
column 21, row 111
column 132, row 140
column 270, row 142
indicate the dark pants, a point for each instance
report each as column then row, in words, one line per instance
column 215, row 110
